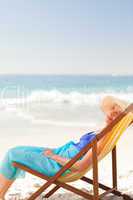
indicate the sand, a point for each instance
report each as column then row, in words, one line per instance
column 23, row 132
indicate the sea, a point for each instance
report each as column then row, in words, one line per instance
column 61, row 99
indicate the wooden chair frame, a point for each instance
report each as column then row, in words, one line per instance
column 94, row 181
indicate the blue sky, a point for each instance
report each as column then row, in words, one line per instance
column 66, row 36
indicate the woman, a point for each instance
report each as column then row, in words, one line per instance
column 49, row 161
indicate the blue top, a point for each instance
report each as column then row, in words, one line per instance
column 85, row 139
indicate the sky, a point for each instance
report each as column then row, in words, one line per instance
column 66, row 37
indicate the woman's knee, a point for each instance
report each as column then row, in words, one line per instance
column 14, row 151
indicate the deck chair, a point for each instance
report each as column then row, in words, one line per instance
column 110, row 135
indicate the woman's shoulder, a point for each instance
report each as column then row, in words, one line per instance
column 88, row 135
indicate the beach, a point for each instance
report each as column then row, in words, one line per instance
column 50, row 118
column 26, row 133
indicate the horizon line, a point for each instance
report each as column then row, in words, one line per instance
column 67, row 74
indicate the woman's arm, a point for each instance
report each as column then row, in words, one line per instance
column 80, row 164
column 61, row 160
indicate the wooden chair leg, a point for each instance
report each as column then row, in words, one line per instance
column 52, row 191
column 114, row 168
column 95, row 171
column 70, row 188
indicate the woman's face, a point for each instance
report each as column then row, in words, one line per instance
column 112, row 110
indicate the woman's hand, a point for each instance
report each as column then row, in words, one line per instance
column 61, row 160
column 48, row 153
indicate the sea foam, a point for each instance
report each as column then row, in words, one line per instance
column 56, row 96
column 54, row 107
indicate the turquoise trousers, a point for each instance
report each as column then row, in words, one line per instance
column 34, row 158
